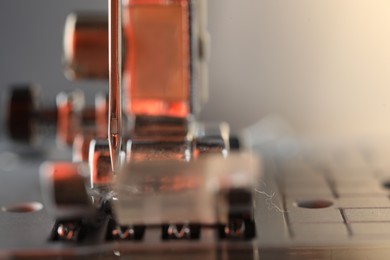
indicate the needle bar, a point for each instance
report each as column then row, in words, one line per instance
column 115, row 81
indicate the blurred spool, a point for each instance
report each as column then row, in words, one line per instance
column 20, row 115
column 86, row 46
column 64, row 190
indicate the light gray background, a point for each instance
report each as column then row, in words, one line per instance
column 323, row 65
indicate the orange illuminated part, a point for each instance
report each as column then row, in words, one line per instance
column 85, row 39
column 81, row 147
column 65, row 181
column 154, row 155
column 62, row 171
column 101, row 115
column 86, row 46
column 157, row 68
column 180, row 183
column 157, row 149
column 101, row 172
column 67, row 125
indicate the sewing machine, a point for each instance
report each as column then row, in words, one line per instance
column 137, row 175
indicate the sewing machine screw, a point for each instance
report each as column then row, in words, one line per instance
column 237, row 228
column 240, row 222
column 123, row 232
column 117, row 232
column 68, row 231
column 180, row 231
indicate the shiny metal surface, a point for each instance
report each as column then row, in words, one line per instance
column 281, row 225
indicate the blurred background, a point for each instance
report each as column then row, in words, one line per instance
column 322, row 65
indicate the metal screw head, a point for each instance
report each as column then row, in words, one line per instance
column 179, row 231
column 123, row 232
column 68, row 231
column 235, row 229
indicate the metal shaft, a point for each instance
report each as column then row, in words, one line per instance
column 115, row 75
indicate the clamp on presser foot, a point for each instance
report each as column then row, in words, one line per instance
column 156, row 166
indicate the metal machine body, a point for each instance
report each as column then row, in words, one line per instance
column 156, row 183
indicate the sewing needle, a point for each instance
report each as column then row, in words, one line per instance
column 115, row 81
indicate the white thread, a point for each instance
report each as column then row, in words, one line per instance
column 271, row 205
